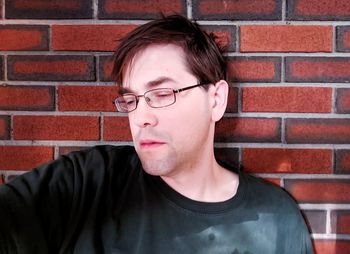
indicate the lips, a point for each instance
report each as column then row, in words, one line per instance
column 149, row 143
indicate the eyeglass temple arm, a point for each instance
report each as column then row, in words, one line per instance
column 189, row 87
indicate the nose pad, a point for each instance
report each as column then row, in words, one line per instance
column 147, row 100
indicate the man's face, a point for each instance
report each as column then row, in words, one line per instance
column 171, row 139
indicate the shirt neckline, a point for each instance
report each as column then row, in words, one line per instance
column 186, row 203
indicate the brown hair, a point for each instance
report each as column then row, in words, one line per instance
column 203, row 56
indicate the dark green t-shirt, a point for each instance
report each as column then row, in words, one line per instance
column 101, row 201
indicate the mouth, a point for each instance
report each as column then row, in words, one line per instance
column 144, row 144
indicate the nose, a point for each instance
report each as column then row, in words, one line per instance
column 143, row 115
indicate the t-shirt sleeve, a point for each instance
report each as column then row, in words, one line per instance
column 292, row 234
column 299, row 238
column 35, row 207
column 305, row 239
column 295, row 233
column 52, row 207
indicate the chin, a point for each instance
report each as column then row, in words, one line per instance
column 158, row 163
column 155, row 168
column 158, row 167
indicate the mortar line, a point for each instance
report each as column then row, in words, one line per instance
column 3, row 9
column 189, row 9
column 328, row 221
column 334, row 39
column 95, row 9
column 284, row 10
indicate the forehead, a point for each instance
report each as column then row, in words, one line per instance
column 157, row 62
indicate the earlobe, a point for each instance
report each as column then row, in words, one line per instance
column 220, row 100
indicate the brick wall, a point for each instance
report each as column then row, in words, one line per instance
column 288, row 118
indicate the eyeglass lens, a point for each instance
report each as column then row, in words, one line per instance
column 156, row 98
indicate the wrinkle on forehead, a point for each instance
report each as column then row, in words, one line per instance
column 152, row 84
column 130, row 66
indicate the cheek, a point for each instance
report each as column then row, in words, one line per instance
column 189, row 124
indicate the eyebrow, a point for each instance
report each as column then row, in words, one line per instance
column 150, row 85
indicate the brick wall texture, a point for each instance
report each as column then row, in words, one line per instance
column 288, row 118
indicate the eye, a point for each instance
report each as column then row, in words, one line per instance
column 163, row 93
column 127, row 100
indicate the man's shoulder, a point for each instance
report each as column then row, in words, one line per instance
column 102, row 155
column 102, row 159
column 267, row 195
column 107, row 150
column 96, row 162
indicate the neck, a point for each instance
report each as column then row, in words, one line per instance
column 205, row 180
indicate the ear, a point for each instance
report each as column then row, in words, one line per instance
column 219, row 96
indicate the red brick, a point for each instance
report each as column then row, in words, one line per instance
column 87, row 98
column 106, row 68
column 228, row 156
column 88, row 37
column 316, row 220
column 24, row 157
column 340, row 221
column 318, row 131
column 342, row 162
column 237, row 10
column 56, row 127
column 287, row 99
column 232, row 102
column 225, row 36
column 116, row 129
column 254, row 69
column 138, row 9
column 343, row 101
column 23, row 37
column 53, row 9
column 1, row 68
column 319, row 190
column 52, row 68
column 318, row 10
column 27, row 98
column 238, row 69
column 317, row 69
column 343, row 38
column 257, row 38
column 332, row 246
column 248, row 130
column 4, row 127
column 278, row 160
column 69, row 149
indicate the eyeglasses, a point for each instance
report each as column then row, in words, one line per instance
column 155, row 98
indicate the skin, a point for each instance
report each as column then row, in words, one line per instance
column 177, row 142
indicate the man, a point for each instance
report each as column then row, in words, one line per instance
column 171, row 195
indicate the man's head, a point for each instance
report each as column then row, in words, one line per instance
column 171, row 54
column 203, row 56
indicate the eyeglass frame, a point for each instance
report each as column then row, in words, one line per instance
column 175, row 91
